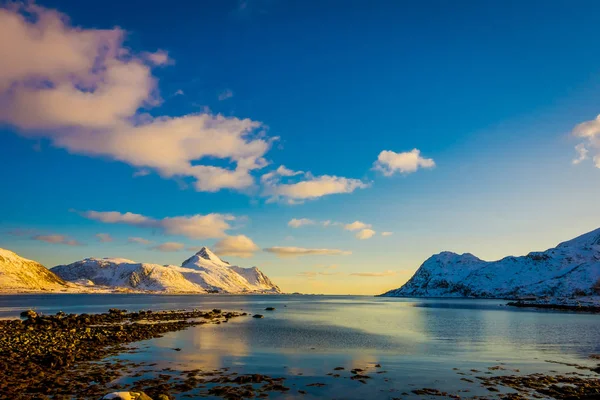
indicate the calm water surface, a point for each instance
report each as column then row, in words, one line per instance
column 418, row 342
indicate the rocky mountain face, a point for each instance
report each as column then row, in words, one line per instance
column 202, row 273
column 568, row 270
column 20, row 274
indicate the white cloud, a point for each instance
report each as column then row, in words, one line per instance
column 104, row 237
column 356, row 225
column 238, row 246
column 141, row 172
column 169, row 246
column 139, row 240
column 365, row 234
column 589, row 131
column 159, row 57
column 179, row 92
column 194, row 226
column 389, row 162
column 375, row 274
column 85, row 92
column 297, row 223
column 225, row 94
column 300, row 251
column 308, row 187
column 56, row 239
column 582, row 153
column 387, row 233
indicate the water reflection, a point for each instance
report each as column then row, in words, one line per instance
column 418, row 342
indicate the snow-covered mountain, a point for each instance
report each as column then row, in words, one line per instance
column 20, row 274
column 119, row 272
column 570, row 269
column 207, row 270
column 203, row 272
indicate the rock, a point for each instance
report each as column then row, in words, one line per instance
column 216, row 311
column 258, row 316
column 163, row 397
column 270, row 309
column 29, row 314
column 126, row 396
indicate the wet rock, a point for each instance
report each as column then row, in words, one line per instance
column 126, row 396
column 270, row 309
column 258, row 316
column 29, row 314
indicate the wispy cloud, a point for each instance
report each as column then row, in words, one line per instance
column 57, row 239
column 582, row 153
column 300, row 251
column 375, row 274
column 104, row 237
column 139, row 240
column 314, row 274
column 141, row 172
column 169, row 246
column 387, row 233
column 389, row 162
column 159, row 58
column 225, row 94
column 589, row 132
column 298, row 222
column 194, row 226
column 22, row 232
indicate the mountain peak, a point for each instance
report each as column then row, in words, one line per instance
column 206, row 253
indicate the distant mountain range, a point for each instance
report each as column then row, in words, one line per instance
column 571, row 269
column 204, row 272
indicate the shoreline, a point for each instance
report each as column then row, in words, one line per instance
column 556, row 307
column 72, row 355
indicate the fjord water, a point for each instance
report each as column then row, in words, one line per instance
column 418, row 342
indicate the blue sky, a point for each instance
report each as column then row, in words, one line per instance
column 490, row 93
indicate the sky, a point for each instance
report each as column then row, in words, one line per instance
column 335, row 145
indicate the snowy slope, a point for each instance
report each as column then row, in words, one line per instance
column 207, row 270
column 20, row 274
column 201, row 273
column 118, row 272
column 570, row 269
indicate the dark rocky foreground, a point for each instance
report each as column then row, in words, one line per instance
column 65, row 357
column 53, row 356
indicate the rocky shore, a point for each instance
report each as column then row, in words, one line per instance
column 54, row 356
column 590, row 304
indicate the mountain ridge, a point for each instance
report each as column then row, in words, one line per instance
column 204, row 272
column 570, row 269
